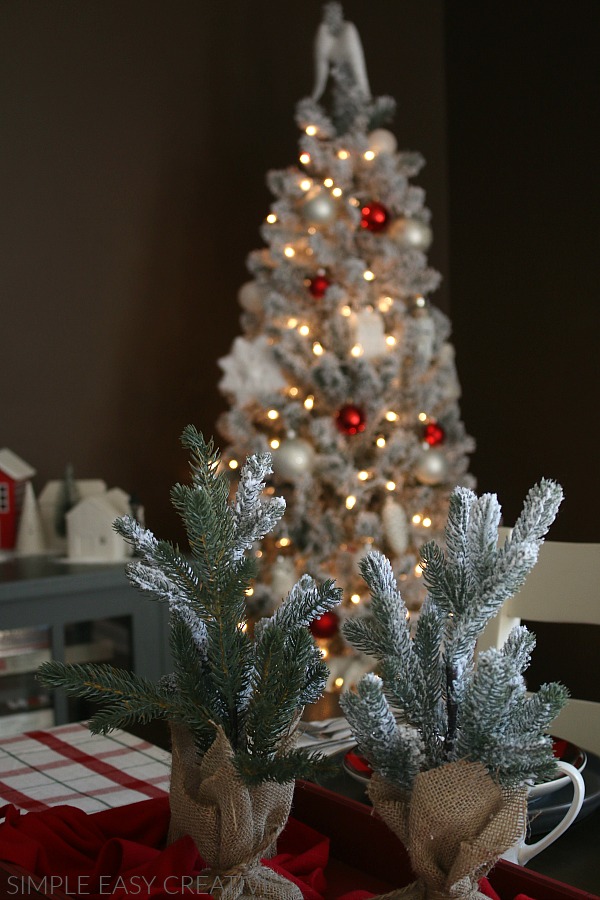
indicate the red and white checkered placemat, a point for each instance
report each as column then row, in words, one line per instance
column 69, row 765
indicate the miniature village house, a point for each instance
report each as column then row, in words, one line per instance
column 48, row 503
column 14, row 475
column 90, row 533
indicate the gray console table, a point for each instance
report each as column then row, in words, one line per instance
column 42, row 591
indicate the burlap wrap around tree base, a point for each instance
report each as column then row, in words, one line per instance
column 233, row 826
column 455, row 823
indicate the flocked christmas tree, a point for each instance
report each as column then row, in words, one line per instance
column 345, row 370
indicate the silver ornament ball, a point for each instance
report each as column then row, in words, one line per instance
column 395, row 526
column 412, row 234
column 382, row 141
column 431, row 467
column 249, row 297
column 320, row 209
column 293, row 458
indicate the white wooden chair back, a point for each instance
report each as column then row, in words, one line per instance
column 564, row 586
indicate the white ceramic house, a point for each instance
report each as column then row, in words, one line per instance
column 90, row 533
column 47, row 501
column 120, row 500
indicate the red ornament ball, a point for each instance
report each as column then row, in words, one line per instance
column 325, row 626
column 350, row 419
column 374, row 216
column 318, row 286
column 433, row 434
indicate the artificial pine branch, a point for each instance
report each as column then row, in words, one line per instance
column 434, row 714
column 451, row 705
column 519, row 646
column 284, row 767
column 131, row 697
column 252, row 688
column 394, row 751
column 275, row 699
column 365, row 635
column 316, row 679
column 403, row 685
column 305, row 602
column 192, row 681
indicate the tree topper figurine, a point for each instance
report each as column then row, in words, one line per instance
column 338, row 44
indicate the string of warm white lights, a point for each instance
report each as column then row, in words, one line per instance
column 346, row 374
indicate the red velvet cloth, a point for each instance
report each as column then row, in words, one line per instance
column 120, row 853
column 486, row 888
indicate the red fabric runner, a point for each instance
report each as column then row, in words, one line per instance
column 118, row 853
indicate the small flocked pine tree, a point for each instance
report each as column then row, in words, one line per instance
column 253, row 687
column 345, row 369
column 431, row 704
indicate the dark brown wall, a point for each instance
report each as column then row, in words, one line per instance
column 523, row 125
column 135, row 141
column 136, row 135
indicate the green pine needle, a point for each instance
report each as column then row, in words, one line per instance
column 285, row 767
column 128, row 694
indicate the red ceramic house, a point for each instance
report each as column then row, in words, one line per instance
column 14, row 474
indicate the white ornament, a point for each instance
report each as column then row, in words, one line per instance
column 320, row 209
column 450, row 384
column 283, row 578
column 338, row 43
column 395, row 526
column 431, row 467
column 249, row 297
column 250, row 371
column 369, row 332
column 447, row 354
column 412, row 234
column 424, row 331
column 293, row 459
column 382, row 141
